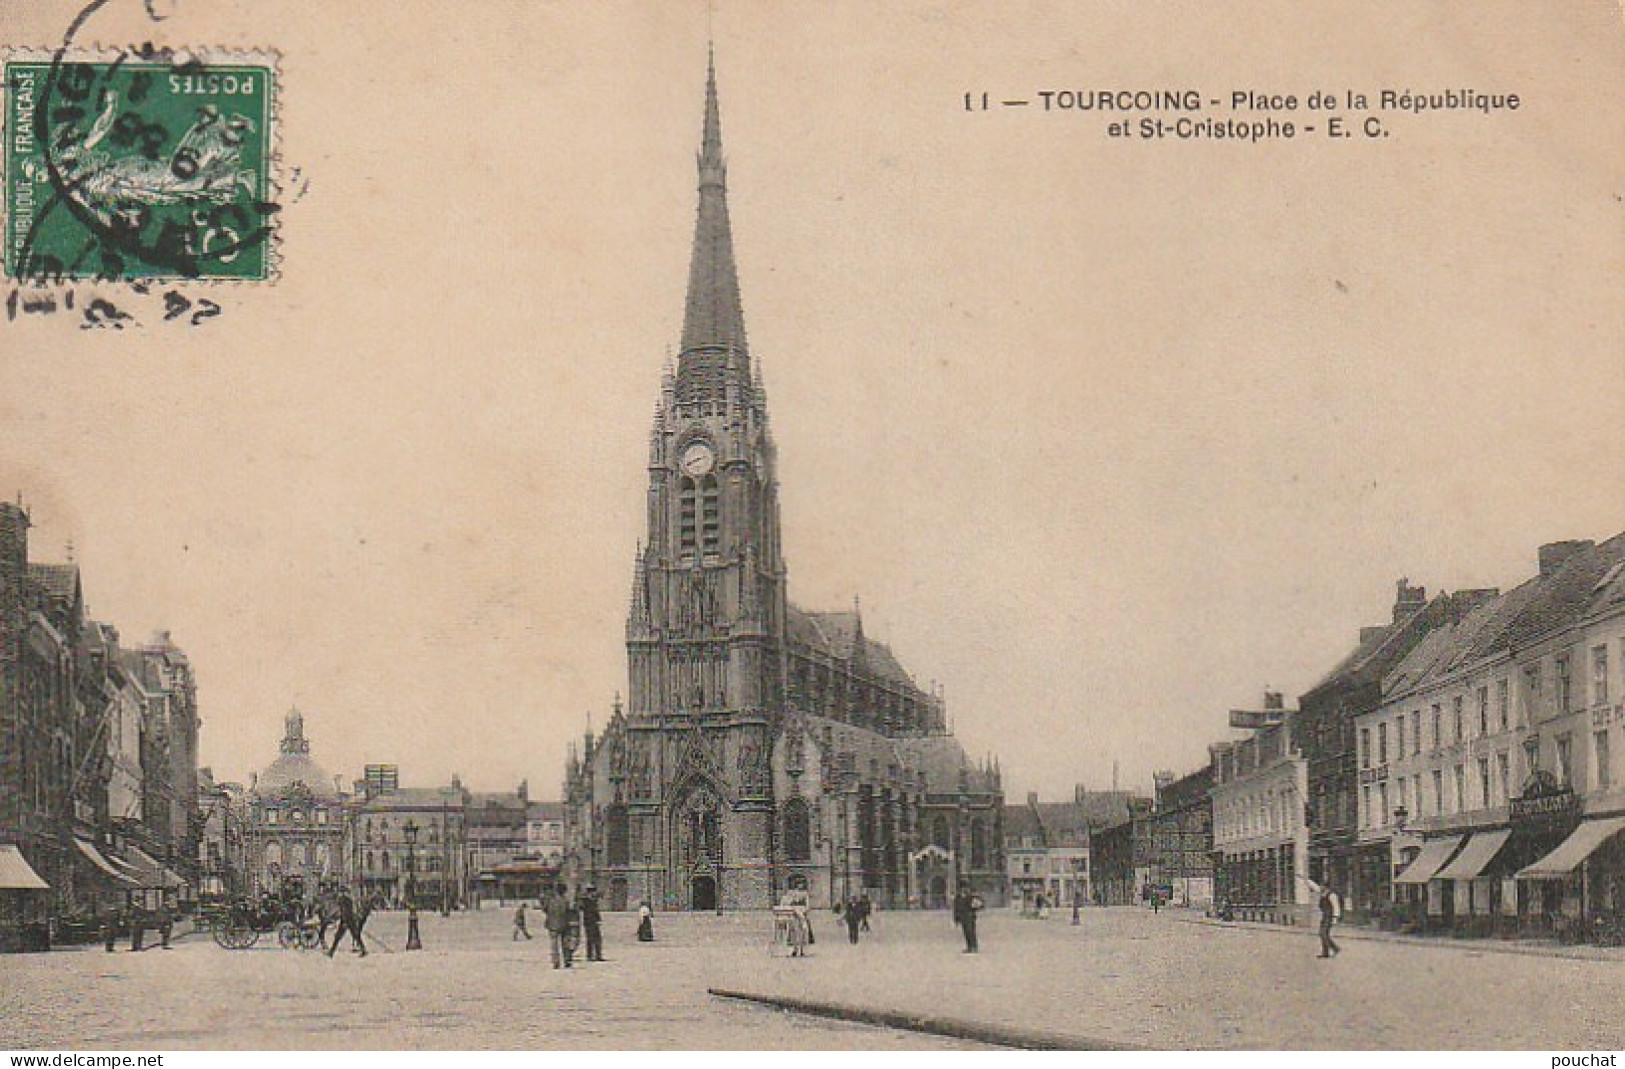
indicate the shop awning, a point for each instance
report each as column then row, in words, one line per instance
column 1476, row 856
column 1435, row 852
column 16, row 874
column 153, row 874
column 94, row 856
column 1575, row 849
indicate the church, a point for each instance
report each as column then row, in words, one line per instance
column 762, row 748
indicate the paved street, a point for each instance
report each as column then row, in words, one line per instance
column 1123, row 977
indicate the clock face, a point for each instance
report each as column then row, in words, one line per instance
column 696, row 459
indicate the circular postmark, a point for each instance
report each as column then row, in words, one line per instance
column 147, row 162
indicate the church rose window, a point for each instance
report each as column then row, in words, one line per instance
column 797, row 831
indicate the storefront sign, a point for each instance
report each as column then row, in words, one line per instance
column 1542, row 804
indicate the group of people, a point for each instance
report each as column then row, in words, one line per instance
column 564, row 918
column 138, row 919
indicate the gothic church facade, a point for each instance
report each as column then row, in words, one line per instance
column 762, row 748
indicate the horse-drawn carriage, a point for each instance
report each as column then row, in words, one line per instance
column 238, row 925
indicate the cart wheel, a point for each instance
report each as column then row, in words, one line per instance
column 287, row 935
column 221, row 930
column 309, row 938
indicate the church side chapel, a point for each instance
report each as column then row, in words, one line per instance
column 761, row 748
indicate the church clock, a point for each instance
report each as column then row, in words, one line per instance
column 696, row 459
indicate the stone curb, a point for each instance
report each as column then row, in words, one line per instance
column 953, row 1028
column 1486, row 946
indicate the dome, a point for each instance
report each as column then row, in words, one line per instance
column 295, row 765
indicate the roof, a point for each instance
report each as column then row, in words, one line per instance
column 416, row 798
column 291, row 768
column 713, row 314
column 56, row 580
column 839, row 635
column 939, row 758
column 544, row 811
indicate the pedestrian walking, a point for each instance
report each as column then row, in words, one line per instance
column 865, row 907
column 1156, row 900
column 852, row 913
column 166, row 924
column 109, row 928
column 348, row 922
column 1331, row 912
column 966, row 906
column 646, row 923
column 138, row 928
column 519, row 928
column 592, row 924
column 557, row 911
column 413, row 940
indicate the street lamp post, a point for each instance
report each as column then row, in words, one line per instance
column 445, row 855
column 1077, row 888
column 410, row 830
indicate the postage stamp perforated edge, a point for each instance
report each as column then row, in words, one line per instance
column 170, row 55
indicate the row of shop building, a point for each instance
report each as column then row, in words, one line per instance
column 295, row 829
column 98, row 756
column 1458, row 770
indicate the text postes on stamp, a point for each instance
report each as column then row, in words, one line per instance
column 139, row 166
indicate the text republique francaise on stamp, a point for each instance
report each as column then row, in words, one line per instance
column 135, row 165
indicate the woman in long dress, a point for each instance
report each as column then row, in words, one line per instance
column 646, row 924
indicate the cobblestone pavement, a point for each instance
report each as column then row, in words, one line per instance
column 472, row 987
column 1127, row 976
column 1124, row 976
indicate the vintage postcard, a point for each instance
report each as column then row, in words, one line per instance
column 929, row 525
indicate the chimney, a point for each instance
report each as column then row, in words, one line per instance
column 1553, row 555
column 1409, row 599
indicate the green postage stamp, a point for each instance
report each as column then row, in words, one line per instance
column 148, row 165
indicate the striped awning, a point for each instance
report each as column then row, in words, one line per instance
column 1576, row 848
column 152, row 872
column 16, row 874
column 1435, row 852
column 94, row 856
column 1476, row 856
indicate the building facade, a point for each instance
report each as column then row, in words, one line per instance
column 293, row 837
column 1182, row 838
column 1489, row 792
column 1120, row 857
column 762, row 747
column 1260, row 834
column 411, row 845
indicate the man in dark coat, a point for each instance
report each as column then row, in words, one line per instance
column 557, row 912
column 592, row 924
column 347, row 923
column 966, row 906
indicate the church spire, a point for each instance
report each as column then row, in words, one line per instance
column 712, row 318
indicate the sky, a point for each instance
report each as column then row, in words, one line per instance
column 1108, row 434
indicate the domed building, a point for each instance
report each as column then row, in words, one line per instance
column 295, row 828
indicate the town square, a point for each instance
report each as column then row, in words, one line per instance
column 1142, row 611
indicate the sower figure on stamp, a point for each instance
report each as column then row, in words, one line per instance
column 1331, row 912
column 966, row 906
